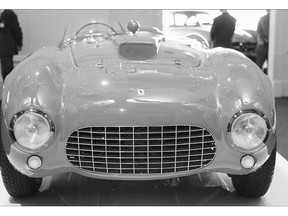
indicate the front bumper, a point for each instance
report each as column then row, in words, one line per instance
column 55, row 161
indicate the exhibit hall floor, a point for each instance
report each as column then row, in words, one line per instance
column 214, row 189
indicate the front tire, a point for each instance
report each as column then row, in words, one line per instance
column 256, row 184
column 17, row 184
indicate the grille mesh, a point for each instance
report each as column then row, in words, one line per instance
column 140, row 150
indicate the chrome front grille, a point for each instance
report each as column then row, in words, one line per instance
column 140, row 149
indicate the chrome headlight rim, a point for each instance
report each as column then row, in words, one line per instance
column 17, row 116
column 235, row 117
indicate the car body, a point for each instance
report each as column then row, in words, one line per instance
column 118, row 105
column 198, row 24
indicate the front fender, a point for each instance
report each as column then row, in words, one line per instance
column 37, row 83
column 242, row 86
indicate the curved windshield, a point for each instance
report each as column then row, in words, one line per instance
column 91, row 28
column 204, row 19
column 199, row 19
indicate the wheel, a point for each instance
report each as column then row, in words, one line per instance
column 16, row 184
column 256, row 184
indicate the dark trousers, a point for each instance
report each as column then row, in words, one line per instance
column 261, row 55
column 6, row 65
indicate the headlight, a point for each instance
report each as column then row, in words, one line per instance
column 248, row 131
column 32, row 129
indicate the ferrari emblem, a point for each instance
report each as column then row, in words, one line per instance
column 141, row 92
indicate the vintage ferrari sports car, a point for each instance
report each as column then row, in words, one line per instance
column 197, row 24
column 114, row 104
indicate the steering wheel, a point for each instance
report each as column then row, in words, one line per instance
column 95, row 23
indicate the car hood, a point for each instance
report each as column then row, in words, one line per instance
column 149, row 93
column 138, row 47
column 159, row 82
column 104, row 74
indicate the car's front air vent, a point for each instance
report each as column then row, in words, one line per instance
column 137, row 51
column 140, row 150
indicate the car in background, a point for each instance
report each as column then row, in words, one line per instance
column 197, row 25
column 113, row 104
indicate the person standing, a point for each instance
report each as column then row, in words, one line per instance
column 10, row 40
column 222, row 30
column 262, row 40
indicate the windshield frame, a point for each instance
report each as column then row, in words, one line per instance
column 73, row 33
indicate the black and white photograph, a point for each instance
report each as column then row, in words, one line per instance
column 143, row 107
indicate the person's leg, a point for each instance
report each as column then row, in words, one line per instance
column 6, row 65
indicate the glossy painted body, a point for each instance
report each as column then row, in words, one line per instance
column 89, row 84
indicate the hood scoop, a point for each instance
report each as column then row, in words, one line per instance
column 138, row 50
column 139, row 45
